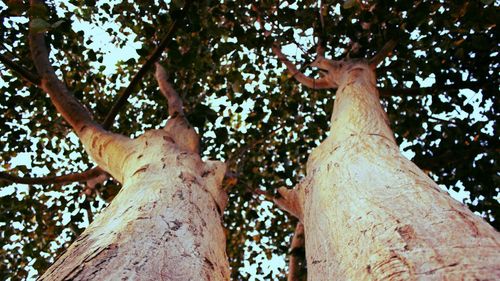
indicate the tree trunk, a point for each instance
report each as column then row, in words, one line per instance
column 165, row 223
column 371, row 214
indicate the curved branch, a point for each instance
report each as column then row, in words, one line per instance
column 83, row 176
column 167, row 39
column 173, row 99
column 383, row 53
column 66, row 104
column 316, row 84
column 19, row 69
column 71, row 109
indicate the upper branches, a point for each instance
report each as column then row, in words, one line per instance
column 175, row 106
column 331, row 69
column 167, row 39
column 66, row 104
column 23, row 72
column 312, row 83
column 329, row 66
column 84, row 176
column 69, row 107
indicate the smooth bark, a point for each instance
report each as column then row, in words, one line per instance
column 371, row 214
column 165, row 223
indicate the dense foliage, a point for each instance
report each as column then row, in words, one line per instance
column 249, row 113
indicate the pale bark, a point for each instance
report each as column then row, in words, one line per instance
column 164, row 224
column 371, row 214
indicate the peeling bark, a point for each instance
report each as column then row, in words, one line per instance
column 164, row 224
column 371, row 214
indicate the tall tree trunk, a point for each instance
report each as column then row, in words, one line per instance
column 165, row 223
column 371, row 214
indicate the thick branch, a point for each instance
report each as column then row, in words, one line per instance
column 173, row 99
column 66, row 104
column 25, row 74
column 383, row 53
column 321, row 83
column 290, row 200
column 84, row 176
column 122, row 98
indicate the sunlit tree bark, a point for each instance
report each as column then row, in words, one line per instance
column 165, row 223
column 368, row 212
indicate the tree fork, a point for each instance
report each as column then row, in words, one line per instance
column 152, row 59
column 108, row 120
column 165, row 223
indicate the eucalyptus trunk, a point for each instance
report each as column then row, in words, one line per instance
column 371, row 214
column 164, row 224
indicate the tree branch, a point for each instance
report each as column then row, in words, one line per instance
column 383, row 53
column 297, row 265
column 320, row 83
column 167, row 39
column 173, row 99
column 84, row 176
column 66, row 104
column 23, row 72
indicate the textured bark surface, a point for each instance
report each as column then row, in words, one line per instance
column 371, row 214
column 165, row 223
